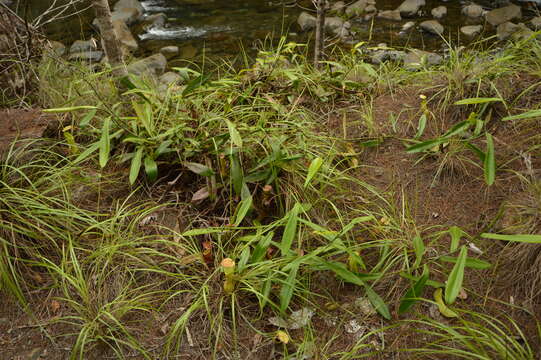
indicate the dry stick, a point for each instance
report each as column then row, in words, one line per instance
column 111, row 45
column 320, row 31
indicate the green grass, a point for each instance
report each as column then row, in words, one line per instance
column 125, row 220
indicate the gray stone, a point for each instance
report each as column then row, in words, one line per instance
column 383, row 55
column 536, row 22
column 407, row 26
column 471, row 30
column 170, row 51
column 432, row 26
column 411, row 7
column 358, row 8
column 439, row 12
column 390, row 15
column 170, row 78
column 507, row 13
column 127, row 15
column 83, row 45
column 57, row 48
column 152, row 66
column 337, row 26
column 515, row 31
column 125, row 36
column 338, row 8
column 91, row 56
column 188, row 51
column 306, row 21
column 126, row 4
column 419, row 58
column 473, row 11
column 370, row 9
column 155, row 21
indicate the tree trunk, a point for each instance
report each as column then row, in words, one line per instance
column 320, row 31
column 111, row 45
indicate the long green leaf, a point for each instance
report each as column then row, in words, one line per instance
column 136, row 165
column 414, row 292
column 199, row 169
column 288, row 287
column 477, row 100
column 85, row 154
column 151, row 168
column 456, row 277
column 105, row 143
column 312, row 170
column 69, row 109
column 425, row 145
column 523, row 238
column 234, row 134
column 456, row 233
column 470, row 262
column 419, row 248
column 421, row 126
column 290, row 230
column 490, row 162
column 377, row 302
column 244, row 207
column 525, row 115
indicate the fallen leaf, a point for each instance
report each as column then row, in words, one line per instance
column 55, row 306
column 298, row 319
column 207, row 252
column 462, row 294
column 200, row 195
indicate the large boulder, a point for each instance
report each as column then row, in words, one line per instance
column 471, row 30
column 473, row 11
column 383, row 55
column 125, row 36
column 91, row 56
column 56, row 48
column 411, row 7
column 155, row 21
column 127, row 4
column 358, row 8
column 306, row 21
column 80, row 46
column 127, row 15
column 515, row 31
column 536, row 22
column 170, row 51
column 338, row 8
column 507, row 13
column 152, row 66
column 416, row 59
column 432, row 26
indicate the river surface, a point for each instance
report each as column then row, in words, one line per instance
column 214, row 30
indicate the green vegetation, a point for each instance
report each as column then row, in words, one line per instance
column 180, row 221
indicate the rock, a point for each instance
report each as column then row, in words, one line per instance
column 337, row 26
column 358, row 8
column 390, row 15
column 188, row 51
column 383, row 55
column 473, row 11
column 155, row 21
column 411, row 7
column 471, row 30
column 507, row 13
column 128, row 15
column 92, row 56
column 57, row 48
column 359, row 74
column 170, row 51
column 418, row 58
column 125, row 36
column 516, row 31
column 439, row 12
column 170, row 77
column 338, row 8
column 432, row 26
column 126, row 4
column 83, row 45
column 370, row 9
column 152, row 66
column 407, row 26
column 306, row 21
column 536, row 22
